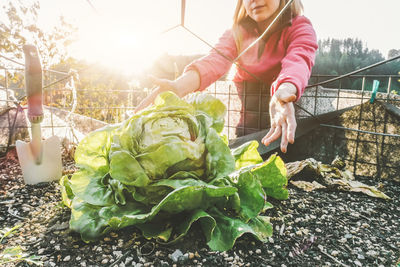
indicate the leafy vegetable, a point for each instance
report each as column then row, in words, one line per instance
column 167, row 167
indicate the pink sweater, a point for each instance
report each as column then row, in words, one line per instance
column 288, row 56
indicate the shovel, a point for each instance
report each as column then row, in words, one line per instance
column 40, row 160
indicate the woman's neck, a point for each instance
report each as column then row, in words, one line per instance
column 263, row 25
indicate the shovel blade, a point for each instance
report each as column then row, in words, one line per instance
column 49, row 169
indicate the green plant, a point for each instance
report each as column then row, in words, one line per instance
column 8, row 231
column 16, row 254
column 167, row 167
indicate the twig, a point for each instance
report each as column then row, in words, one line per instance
column 333, row 258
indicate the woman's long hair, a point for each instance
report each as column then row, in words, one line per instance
column 240, row 15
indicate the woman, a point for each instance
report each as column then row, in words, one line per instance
column 282, row 59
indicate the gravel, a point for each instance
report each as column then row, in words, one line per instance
column 318, row 228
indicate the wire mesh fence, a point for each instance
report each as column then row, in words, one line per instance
column 72, row 110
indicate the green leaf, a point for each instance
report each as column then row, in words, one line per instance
column 251, row 194
column 91, row 187
column 66, row 192
column 213, row 107
column 125, row 168
column 92, row 151
column 246, row 155
column 272, row 175
column 228, row 229
column 219, row 160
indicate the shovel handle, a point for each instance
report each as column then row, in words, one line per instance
column 33, row 83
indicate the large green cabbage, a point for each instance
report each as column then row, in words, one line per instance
column 167, row 167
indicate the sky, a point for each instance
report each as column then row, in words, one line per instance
column 126, row 34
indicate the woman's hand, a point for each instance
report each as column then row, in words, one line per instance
column 185, row 84
column 282, row 114
column 162, row 85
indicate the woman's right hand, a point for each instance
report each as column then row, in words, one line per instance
column 185, row 84
column 162, row 85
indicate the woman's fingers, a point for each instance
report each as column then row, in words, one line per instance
column 291, row 128
column 147, row 100
column 274, row 136
column 270, row 132
column 284, row 139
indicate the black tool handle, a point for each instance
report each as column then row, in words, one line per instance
column 33, row 83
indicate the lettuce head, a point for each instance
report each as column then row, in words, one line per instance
column 167, row 167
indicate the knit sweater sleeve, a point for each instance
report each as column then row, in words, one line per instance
column 301, row 42
column 217, row 62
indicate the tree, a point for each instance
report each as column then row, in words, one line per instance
column 19, row 27
column 338, row 57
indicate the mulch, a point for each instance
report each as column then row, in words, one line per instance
column 319, row 228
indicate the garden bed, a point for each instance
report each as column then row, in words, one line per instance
column 319, row 228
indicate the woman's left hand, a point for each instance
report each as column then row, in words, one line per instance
column 283, row 120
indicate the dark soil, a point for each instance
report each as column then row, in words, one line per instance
column 320, row 228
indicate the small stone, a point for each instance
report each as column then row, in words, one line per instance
column 67, row 258
column 104, row 261
column 128, row 260
column 57, row 247
column 229, row 259
column 117, row 253
column 78, row 258
column 184, row 257
column 175, row 256
column 360, row 257
column 41, row 251
column 356, row 262
column 271, row 240
column 372, row 253
column 258, row 251
column 191, row 255
column 112, row 234
column 334, row 253
column 347, row 236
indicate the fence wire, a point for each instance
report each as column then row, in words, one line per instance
column 113, row 106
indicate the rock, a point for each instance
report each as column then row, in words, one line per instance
column 258, row 251
column 175, row 256
column 372, row 253
column 117, row 253
column 356, row 262
column 67, row 258
column 128, row 260
column 334, row 253
column 347, row 236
